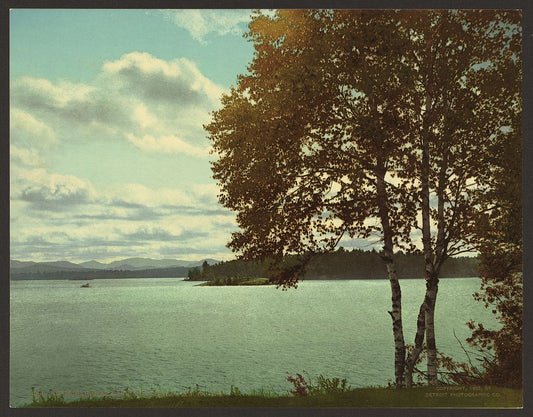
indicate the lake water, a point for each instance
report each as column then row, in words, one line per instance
column 168, row 334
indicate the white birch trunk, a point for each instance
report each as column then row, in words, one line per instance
column 418, row 345
column 428, row 252
column 430, row 333
column 396, row 299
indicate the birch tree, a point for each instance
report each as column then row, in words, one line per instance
column 307, row 142
column 465, row 103
column 367, row 124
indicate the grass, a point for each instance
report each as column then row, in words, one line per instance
column 424, row 397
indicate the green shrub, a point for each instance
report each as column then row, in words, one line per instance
column 50, row 399
column 304, row 387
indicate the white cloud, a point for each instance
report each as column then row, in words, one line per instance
column 28, row 157
column 151, row 197
column 143, row 116
column 50, row 191
column 68, row 107
column 60, row 94
column 84, row 221
column 178, row 80
column 166, row 144
column 206, row 193
column 200, row 23
column 27, row 130
column 157, row 105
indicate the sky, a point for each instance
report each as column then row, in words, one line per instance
column 108, row 157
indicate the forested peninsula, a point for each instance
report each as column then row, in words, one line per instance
column 341, row 264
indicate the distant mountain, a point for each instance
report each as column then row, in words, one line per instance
column 63, row 264
column 87, row 274
column 129, row 264
column 43, row 267
column 93, row 265
column 125, row 267
column 144, row 263
column 210, row 261
column 147, row 263
column 20, row 264
column 57, row 264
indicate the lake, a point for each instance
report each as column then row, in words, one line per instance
column 166, row 334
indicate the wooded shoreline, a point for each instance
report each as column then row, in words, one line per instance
column 340, row 264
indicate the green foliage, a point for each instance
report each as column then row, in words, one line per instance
column 340, row 264
column 130, row 395
column 499, row 352
column 451, row 372
column 328, row 386
column 235, row 281
column 195, row 391
column 323, row 386
column 49, row 399
column 496, row 358
column 235, row 269
column 498, row 236
column 194, row 274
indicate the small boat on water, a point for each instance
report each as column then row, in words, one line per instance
column 85, row 285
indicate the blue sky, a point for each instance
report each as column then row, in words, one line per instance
column 108, row 158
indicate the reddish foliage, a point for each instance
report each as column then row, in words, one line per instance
column 301, row 386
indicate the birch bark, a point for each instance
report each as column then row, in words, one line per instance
column 431, row 279
column 388, row 252
column 418, row 346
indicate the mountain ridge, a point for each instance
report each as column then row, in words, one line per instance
column 130, row 264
